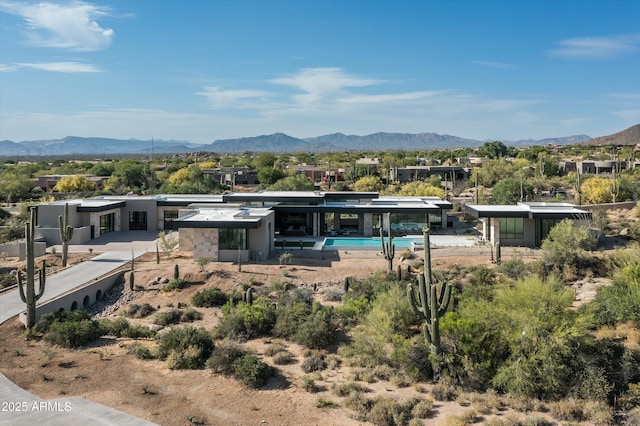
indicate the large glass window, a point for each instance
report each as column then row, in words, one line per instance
column 512, row 228
column 169, row 215
column 232, row 238
column 107, row 223
column 409, row 222
column 137, row 221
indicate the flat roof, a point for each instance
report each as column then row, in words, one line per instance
column 531, row 210
column 223, row 218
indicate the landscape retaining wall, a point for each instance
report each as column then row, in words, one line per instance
column 79, row 298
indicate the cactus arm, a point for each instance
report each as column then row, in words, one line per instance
column 412, row 301
column 21, row 284
column 445, row 298
column 66, row 233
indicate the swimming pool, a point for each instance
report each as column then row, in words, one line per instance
column 368, row 243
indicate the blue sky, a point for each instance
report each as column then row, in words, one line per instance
column 205, row 70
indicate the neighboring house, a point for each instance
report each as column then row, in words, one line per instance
column 318, row 174
column 209, row 224
column 48, row 182
column 524, row 224
column 592, row 167
column 230, row 176
column 413, row 173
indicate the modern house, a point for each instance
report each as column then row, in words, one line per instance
column 218, row 226
column 524, row 224
column 594, row 167
column 413, row 173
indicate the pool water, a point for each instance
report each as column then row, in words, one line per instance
column 334, row 242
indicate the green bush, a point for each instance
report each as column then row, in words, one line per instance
column 189, row 358
column 289, row 316
column 388, row 411
column 175, row 284
column 114, row 327
column 172, row 316
column 223, row 357
column 141, row 352
column 313, row 363
column 317, row 331
column 137, row 332
column 246, row 321
column 209, row 298
column 186, row 346
column 72, row 333
column 251, row 371
column 69, row 328
column 414, row 359
column 190, row 315
column 352, row 311
column 139, row 311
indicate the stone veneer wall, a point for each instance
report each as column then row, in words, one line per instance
column 205, row 244
column 185, row 240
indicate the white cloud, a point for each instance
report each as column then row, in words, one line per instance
column 321, row 83
column 387, row 98
column 631, row 116
column 8, row 68
column 598, row 47
column 66, row 67
column 219, row 98
column 70, row 26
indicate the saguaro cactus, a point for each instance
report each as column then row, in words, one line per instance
column 66, row 233
column 26, row 285
column 388, row 249
column 427, row 303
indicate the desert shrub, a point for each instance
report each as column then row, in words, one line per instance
column 317, row 330
column 344, row 389
column 599, row 413
column 141, row 352
column 7, row 280
column 289, row 316
column 352, row 311
column 414, row 359
column 309, row 384
column 172, row 316
column 567, row 245
column 444, row 392
column 333, row 295
column 282, row 358
column 188, row 358
column 190, row 315
column 209, row 298
column 616, row 303
column 325, row 403
column 175, row 284
column 69, row 329
column 313, row 363
column 195, row 345
column 139, row 311
column 630, row 398
column 388, row 411
column 423, row 408
column 273, row 349
column 223, row 357
column 251, row 371
column 114, row 327
column 568, row 409
column 246, row 321
column 515, row 269
column 390, row 316
column 137, row 332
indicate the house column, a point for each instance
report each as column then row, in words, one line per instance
column 368, row 225
column 494, row 234
column 444, row 219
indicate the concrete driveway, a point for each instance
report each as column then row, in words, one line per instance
column 23, row 408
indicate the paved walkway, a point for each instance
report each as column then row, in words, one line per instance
column 19, row 407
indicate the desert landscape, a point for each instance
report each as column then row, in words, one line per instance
column 106, row 372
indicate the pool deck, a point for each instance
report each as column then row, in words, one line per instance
column 436, row 241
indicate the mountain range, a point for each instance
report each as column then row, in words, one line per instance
column 280, row 142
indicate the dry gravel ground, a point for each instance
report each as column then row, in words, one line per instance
column 106, row 373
